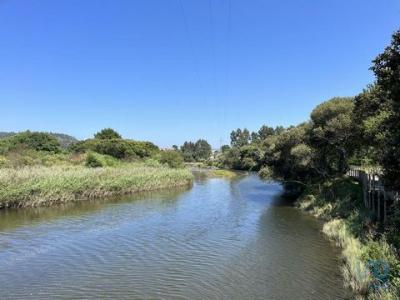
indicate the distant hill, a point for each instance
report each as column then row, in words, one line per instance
column 65, row 140
column 5, row 134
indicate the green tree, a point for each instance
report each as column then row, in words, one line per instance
column 188, row 151
column 370, row 114
column 225, row 148
column 332, row 135
column 387, row 71
column 202, row 150
column 265, row 131
column 288, row 155
column 107, row 134
column 240, row 138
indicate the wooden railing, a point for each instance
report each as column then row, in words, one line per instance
column 376, row 198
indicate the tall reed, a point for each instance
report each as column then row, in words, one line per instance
column 34, row 186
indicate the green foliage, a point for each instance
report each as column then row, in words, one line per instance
column 387, row 71
column 95, row 160
column 118, row 148
column 265, row 173
column 5, row 134
column 107, row 134
column 225, row 148
column 264, row 132
column 151, row 162
column 339, row 202
column 202, row 150
column 3, row 161
column 172, row 158
column 188, row 151
column 223, row 173
column 65, row 140
column 288, row 155
column 34, row 186
column 380, row 250
column 198, row 151
column 38, row 141
column 240, row 138
column 332, row 136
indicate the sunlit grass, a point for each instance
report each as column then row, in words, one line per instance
column 339, row 203
column 38, row 185
column 223, row 173
column 355, row 272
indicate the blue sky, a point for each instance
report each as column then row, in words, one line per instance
column 174, row 70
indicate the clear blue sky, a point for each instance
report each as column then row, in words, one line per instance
column 174, row 70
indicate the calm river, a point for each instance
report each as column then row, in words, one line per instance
column 221, row 239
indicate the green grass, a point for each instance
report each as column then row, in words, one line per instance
column 39, row 185
column 223, row 173
column 339, row 203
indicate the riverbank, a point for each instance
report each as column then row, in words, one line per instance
column 370, row 264
column 39, row 185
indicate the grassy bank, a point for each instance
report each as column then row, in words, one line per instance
column 223, row 173
column 39, row 185
column 370, row 264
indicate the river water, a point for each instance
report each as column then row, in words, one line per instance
column 220, row 239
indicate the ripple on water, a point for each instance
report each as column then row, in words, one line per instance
column 220, row 240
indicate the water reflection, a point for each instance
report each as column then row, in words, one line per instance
column 12, row 218
column 219, row 240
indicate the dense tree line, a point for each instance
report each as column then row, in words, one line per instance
column 195, row 151
column 107, row 148
column 364, row 129
column 246, row 150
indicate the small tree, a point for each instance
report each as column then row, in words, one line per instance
column 107, row 134
column 202, row 150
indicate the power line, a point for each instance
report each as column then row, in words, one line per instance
column 228, row 61
column 192, row 50
column 214, row 60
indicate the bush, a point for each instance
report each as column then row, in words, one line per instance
column 3, row 161
column 95, row 160
column 107, row 134
column 172, row 158
column 38, row 141
column 381, row 251
column 151, row 162
column 265, row 173
column 118, row 148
